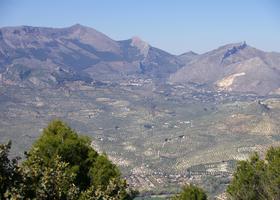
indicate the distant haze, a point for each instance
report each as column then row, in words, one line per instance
column 175, row 26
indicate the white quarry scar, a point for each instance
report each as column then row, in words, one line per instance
column 228, row 81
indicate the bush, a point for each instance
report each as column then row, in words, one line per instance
column 191, row 192
column 9, row 171
column 61, row 165
column 256, row 178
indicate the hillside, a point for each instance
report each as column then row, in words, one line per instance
column 50, row 56
column 234, row 68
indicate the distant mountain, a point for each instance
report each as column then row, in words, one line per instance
column 188, row 56
column 50, row 56
column 38, row 56
column 234, row 67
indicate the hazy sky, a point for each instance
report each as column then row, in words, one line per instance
column 173, row 25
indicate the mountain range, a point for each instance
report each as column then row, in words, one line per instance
column 48, row 57
column 168, row 118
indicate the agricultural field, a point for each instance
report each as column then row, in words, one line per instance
column 160, row 136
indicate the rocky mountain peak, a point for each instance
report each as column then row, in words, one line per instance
column 90, row 36
column 188, row 56
column 141, row 45
column 234, row 49
column 189, row 53
column 78, row 27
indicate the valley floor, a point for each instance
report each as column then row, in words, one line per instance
column 161, row 137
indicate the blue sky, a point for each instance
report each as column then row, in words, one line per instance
column 173, row 25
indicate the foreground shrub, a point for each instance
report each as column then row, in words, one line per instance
column 257, row 179
column 9, row 171
column 61, row 165
column 191, row 192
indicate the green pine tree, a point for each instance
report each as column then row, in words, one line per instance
column 191, row 192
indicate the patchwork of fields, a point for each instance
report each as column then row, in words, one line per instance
column 160, row 137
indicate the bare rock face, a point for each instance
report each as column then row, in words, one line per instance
column 142, row 46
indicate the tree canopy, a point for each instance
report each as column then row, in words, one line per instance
column 8, row 169
column 256, row 178
column 61, row 165
column 191, row 192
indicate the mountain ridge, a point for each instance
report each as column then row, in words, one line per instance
column 229, row 60
column 81, row 53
